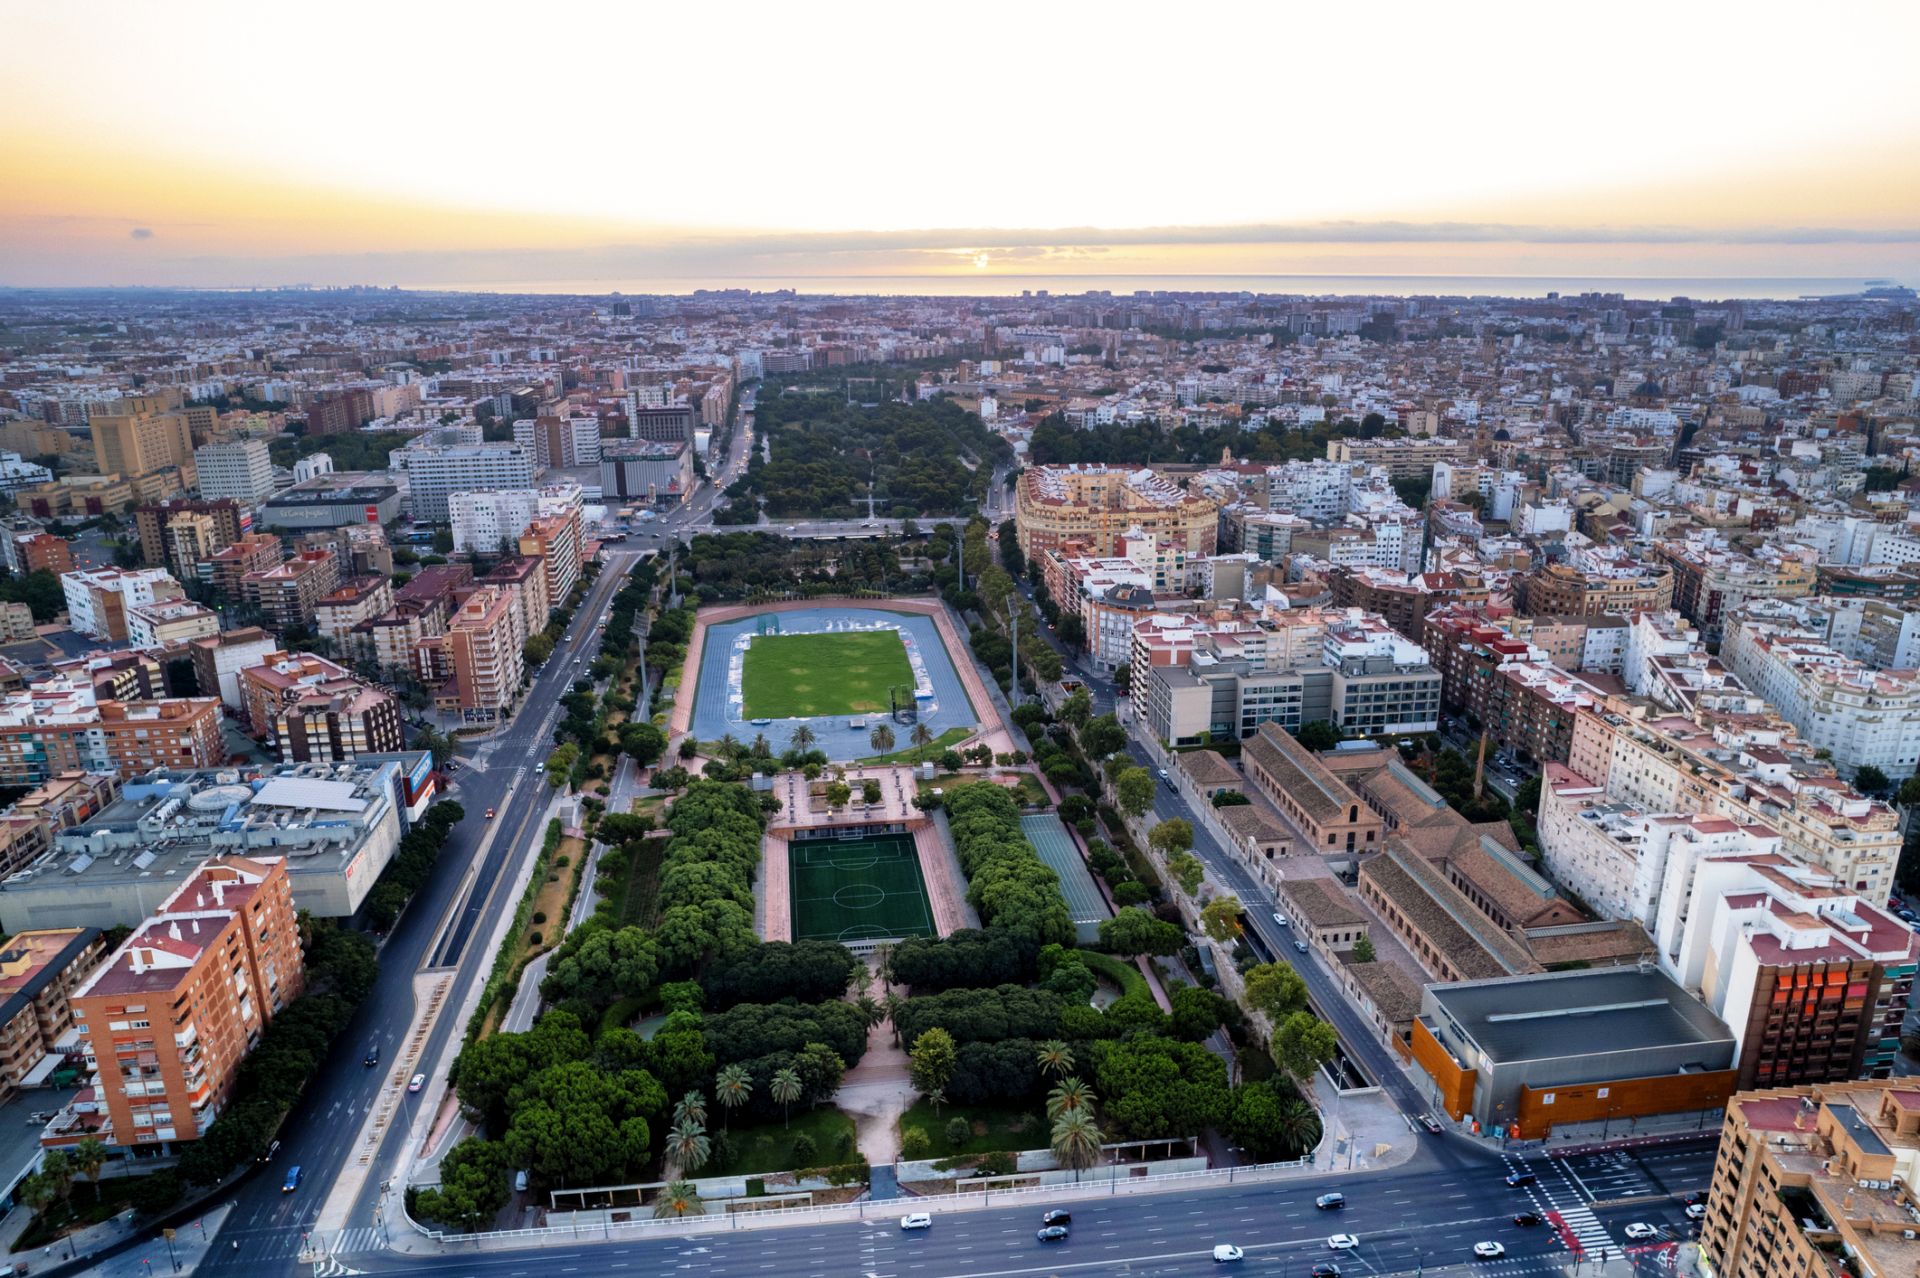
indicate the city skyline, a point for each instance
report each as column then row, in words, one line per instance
column 621, row 148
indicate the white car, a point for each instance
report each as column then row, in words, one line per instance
column 1227, row 1251
column 1343, row 1242
column 417, row 1082
column 1280, row 918
column 1489, row 1250
column 1640, row 1231
column 919, row 1220
column 1696, row 1211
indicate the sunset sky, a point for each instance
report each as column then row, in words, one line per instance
column 240, row 144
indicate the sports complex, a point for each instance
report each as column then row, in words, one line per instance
column 840, row 671
column 862, row 872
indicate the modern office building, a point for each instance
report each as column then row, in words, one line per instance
column 172, row 1013
column 652, row 471
column 239, row 469
column 219, row 659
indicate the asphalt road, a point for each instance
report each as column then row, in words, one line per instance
column 1426, row 1214
column 322, row 1133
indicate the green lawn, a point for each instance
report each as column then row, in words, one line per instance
column 1009, row 1127
column 769, row 1146
column 1122, row 973
column 839, row 672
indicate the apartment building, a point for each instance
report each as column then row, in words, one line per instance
column 151, row 521
column 1815, row 1180
column 98, row 598
column 1596, row 586
column 289, row 594
column 558, row 541
column 525, row 578
column 436, row 471
column 1402, row 458
column 420, row 611
column 38, row 552
column 1097, row 505
column 1405, row 599
column 167, row 622
column 309, row 710
column 560, row 441
column 1711, row 582
column 141, row 434
column 1865, row 715
column 229, row 567
column 662, row 424
column 59, row 726
column 39, row 972
column 239, row 469
column 218, row 660
column 1747, row 766
column 1616, row 857
column 344, row 614
column 476, row 664
column 487, row 521
column 1813, row 979
column 172, row 1013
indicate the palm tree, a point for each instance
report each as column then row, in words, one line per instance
column 893, row 1003
column 881, row 739
column 37, row 1192
column 1076, row 1141
column 1069, row 1096
column 785, row 1090
column 732, row 1087
column 1055, row 1058
column 802, row 738
column 883, row 964
column 871, row 1013
column 1299, row 1126
column 678, row 1199
column 90, row 1155
column 727, row 746
column 862, row 979
column 688, row 1146
column 57, row 1166
column 691, row 1108
column 921, row 736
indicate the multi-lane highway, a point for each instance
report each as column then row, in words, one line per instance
column 446, row 929
column 1427, row 1213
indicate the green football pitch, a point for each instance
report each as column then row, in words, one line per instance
column 857, row 889
column 837, row 672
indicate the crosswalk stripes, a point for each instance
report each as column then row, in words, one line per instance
column 363, row 1238
column 332, row 1268
column 1585, row 1227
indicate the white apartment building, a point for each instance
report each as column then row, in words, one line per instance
column 1620, row 860
column 166, row 621
column 1865, row 716
column 240, row 470
column 483, row 521
column 87, row 592
column 312, row 466
column 435, row 472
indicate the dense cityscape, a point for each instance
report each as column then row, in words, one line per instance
column 721, row 778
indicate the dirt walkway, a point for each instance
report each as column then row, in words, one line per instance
column 875, row 1093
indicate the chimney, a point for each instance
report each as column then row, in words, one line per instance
column 173, row 929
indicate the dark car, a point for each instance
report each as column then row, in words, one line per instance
column 1326, row 1271
column 1057, row 1217
column 1330, row 1202
column 372, row 1057
column 1516, row 1179
column 1527, row 1218
column 1431, row 1123
column 1052, row 1233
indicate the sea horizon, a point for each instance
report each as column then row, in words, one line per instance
column 1783, row 288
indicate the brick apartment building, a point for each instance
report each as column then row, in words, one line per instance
column 169, row 1017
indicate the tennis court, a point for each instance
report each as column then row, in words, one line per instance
column 857, row 889
column 1056, row 847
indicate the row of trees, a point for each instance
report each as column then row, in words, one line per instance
column 1008, row 883
column 412, row 864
